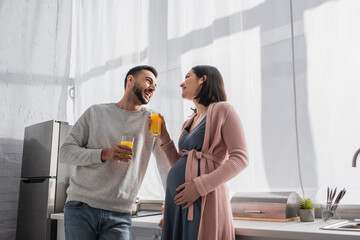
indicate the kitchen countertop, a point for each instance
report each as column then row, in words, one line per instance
column 292, row 230
column 276, row 230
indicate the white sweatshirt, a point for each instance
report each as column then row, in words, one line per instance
column 110, row 185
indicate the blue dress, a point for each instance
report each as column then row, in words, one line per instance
column 175, row 223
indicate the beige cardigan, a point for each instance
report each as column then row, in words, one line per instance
column 223, row 156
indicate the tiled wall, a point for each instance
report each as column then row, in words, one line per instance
column 10, row 167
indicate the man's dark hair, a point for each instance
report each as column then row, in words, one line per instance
column 212, row 90
column 136, row 70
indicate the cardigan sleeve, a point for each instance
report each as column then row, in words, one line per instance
column 234, row 138
column 162, row 163
column 170, row 152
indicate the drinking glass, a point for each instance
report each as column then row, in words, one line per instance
column 127, row 141
column 330, row 213
column 155, row 127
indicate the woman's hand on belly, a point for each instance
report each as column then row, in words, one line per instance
column 188, row 195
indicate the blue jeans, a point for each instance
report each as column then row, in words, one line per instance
column 83, row 222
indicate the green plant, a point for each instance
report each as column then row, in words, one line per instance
column 305, row 203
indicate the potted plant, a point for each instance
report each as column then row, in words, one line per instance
column 306, row 210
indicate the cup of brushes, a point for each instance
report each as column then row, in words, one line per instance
column 329, row 210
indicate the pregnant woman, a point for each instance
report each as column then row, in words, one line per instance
column 212, row 150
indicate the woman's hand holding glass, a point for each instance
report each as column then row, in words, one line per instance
column 164, row 135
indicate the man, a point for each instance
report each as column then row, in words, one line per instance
column 108, row 174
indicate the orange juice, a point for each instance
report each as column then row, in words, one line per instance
column 155, row 127
column 127, row 143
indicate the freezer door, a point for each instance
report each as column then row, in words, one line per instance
column 36, row 204
column 65, row 171
column 40, row 150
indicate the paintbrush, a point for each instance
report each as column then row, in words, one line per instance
column 337, row 200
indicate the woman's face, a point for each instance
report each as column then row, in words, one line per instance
column 191, row 85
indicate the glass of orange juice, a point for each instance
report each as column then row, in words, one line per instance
column 127, row 141
column 155, row 127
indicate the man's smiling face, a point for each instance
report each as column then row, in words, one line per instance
column 145, row 85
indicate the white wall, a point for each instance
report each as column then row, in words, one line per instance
column 34, row 41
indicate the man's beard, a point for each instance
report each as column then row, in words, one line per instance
column 139, row 94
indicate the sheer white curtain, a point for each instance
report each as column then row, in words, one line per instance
column 250, row 43
column 327, row 52
column 289, row 69
column 109, row 38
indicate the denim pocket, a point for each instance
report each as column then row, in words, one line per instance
column 74, row 204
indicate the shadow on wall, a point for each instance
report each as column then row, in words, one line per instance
column 10, row 170
column 277, row 73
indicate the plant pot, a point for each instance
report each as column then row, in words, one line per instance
column 307, row 215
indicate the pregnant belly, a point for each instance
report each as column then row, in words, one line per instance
column 176, row 175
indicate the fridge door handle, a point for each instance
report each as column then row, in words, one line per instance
column 34, row 180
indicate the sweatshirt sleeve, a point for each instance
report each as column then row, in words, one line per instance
column 234, row 138
column 162, row 163
column 73, row 151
